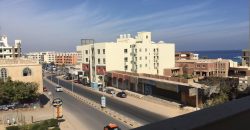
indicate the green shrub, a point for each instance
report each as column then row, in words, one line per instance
column 12, row 128
column 56, row 128
column 52, row 123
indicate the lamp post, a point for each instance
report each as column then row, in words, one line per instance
column 72, row 86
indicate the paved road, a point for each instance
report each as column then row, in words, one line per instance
column 136, row 113
column 90, row 117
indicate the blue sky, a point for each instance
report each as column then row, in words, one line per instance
column 58, row 25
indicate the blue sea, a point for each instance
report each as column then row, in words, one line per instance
column 235, row 55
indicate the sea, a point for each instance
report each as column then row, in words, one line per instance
column 234, row 55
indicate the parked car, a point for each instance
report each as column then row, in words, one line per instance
column 4, row 107
column 59, row 89
column 11, row 106
column 45, row 89
column 76, row 81
column 110, row 91
column 121, row 94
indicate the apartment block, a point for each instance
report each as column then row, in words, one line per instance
column 137, row 54
column 206, row 67
column 69, row 58
column 7, row 51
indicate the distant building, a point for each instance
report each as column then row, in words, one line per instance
column 66, row 58
column 186, row 56
column 139, row 55
column 59, row 58
column 206, row 67
column 7, row 51
column 37, row 56
column 246, row 58
column 25, row 70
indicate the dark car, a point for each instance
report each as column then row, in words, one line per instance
column 121, row 94
column 45, row 89
column 110, row 90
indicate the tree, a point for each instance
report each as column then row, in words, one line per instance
column 17, row 91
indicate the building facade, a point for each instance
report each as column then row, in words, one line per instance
column 139, row 55
column 206, row 67
column 7, row 51
column 37, row 56
column 68, row 58
column 246, row 58
column 25, row 70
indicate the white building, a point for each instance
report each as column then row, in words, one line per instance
column 38, row 56
column 7, row 51
column 139, row 55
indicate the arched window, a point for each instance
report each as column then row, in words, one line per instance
column 26, row 72
column 3, row 74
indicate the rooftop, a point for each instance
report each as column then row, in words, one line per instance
column 17, row 61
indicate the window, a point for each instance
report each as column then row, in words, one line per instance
column 125, row 50
column 140, row 65
column 87, row 60
column 146, row 65
column 140, row 50
column 126, row 67
column 3, row 74
column 103, row 51
column 146, row 57
column 140, row 58
column 104, row 61
column 99, row 61
column 126, row 59
column 146, row 49
column 98, row 51
column 26, row 72
column 146, row 36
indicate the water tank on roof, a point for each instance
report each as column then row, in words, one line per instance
column 121, row 36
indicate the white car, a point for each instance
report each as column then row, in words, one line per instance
column 59, row 89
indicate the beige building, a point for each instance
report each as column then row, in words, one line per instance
column 23, row 70
column 137, row 54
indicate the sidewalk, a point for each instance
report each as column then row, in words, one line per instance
column 165, row 109
column 29, row 115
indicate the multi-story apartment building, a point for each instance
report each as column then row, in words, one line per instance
column 7, row 51
column 139, row 54
column 66, row 58
column 37, row 56
column 206, row 67
column 246, row 57
column 186, row 56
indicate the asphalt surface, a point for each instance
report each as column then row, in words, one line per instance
column 140, row 115
column 89, row 116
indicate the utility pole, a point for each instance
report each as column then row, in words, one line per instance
column 197, row 98
column 72, row 86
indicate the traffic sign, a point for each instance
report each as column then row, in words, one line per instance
column 103, row 101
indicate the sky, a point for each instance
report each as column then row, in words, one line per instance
column 58, row 25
